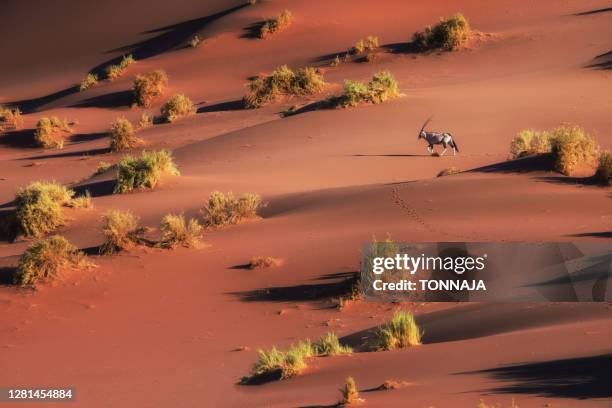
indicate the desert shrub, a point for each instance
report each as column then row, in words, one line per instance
column 117, row 70
column 335, row 62
column 449, row 34
column 83, row 201
column 283, row 81
column 148, row 86
column 329, row 345
column 195, row 41
column 225, row 209
column 604, row 169
column 350, row 394
column 102, row 167
column 361, row 46
column 177, row 107
column 258, row 262
column 89, row 81
column 530, row 141
column 277, row 24
column 176, row 231
column 46, row 258
column 120, row 230
column 284, row 363
column 381, row 88
column 572, row 147
column 51, row 132
column 449, row 171
column 144, row 171
column 10, row 118
column 145, row 121
column 123, row 135
column 399, row 332
column 38, row 207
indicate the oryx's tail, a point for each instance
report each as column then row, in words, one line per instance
column 455, row 145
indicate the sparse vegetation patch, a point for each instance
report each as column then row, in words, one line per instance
column 117, row 70
column 260, row 262
column 280, row 364
column 45, row 259
column 120, row 230
column 145, row 121
column 148, row 86
column 225, row 209
column 399, row 332
column 51, row 132
column 145, row 171
column 604, row 170
column 329, row 345
column 350, row 394
column 449, row 171
column 195, row 41
column 283, row 81
column 123, row 136
column 83, row 201
column 176, row 231
column 10, row 119
column 275, row 25
column 39, row 207
column 178, row 106
column 449, row 34
column 381, row 88
column 89, row 81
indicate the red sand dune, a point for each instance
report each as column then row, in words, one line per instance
column 156, row 328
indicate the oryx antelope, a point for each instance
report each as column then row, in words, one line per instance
column 435, row 138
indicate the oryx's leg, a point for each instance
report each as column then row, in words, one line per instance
column 430, row 148
column 454, row 150
column 443, row 151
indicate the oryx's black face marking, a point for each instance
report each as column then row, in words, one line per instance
column 435, row 138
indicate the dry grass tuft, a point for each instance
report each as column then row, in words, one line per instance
column 117, row 70
column 350, row 394
column 275, row 25
column 329, row 345
column 123, row 136
column 284, row 364
column 145, row 171
column 283, row 81
column 89, row 81
column 449, row 34
column 259, row 262
column 10, row 119
column 45, row 259
column 381, row 88
column 195, row 41
column 39, row 207
column 120, row 230
column 399, row 332
column 449, row 171
column 604, row 170
column 84, row 201
column 102, row 167
column 572, row 148
column 149, row 86
column 51, row 132
column 178, row 106
column 176, row 231
column 225, row 209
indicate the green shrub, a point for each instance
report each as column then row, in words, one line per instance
column 223, row 209
column 381, row 88
column 604, row 170
column 177, row 107
column 329, row 345
column 283, row 81
column 38, row 207
column 399, row 332
column 117, row 70
column 123, row 135
column 83, row 201
column 350, row 394
column 10, row 119
column 148, row 86
column 45, row 259
column 120, row 230
column 275, row 25
column 572, row 147
column 530, row 141
column 448, row 34
column 51, row 132
column 176, row 231
column 286, row 363
column 89, row 81
column 144, row 171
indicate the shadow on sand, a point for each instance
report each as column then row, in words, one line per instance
column 110, row 100
column 578, row 378
column 237, row 104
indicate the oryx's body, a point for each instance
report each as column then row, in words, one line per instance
column 435, row 138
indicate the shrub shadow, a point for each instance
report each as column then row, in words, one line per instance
column 7, row 274
column 222, row 106
column 252, row 30
column 595, row 11
column 341, row 285
column 578, row 378
column 602, row 61
column 32, row 105
column 599, row 234
column 96, row 188
column 110, row 100
column 90, row 152
column 18, row 138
